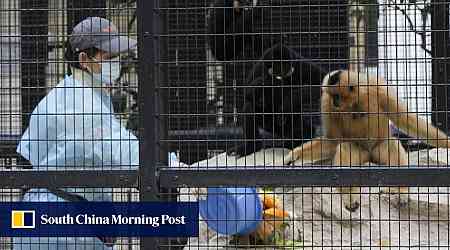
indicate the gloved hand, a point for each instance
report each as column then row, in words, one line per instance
column 274, row 220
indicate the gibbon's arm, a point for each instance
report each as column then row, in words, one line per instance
column 230, row 28
column 322, row 147
column 223, row 23
column 409, row 122
column 316, row 149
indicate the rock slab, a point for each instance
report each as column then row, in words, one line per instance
column 320, row 220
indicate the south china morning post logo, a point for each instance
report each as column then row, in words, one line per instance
column 114, row 219
column 23, row 219
column 99, row 219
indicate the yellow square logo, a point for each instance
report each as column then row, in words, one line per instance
column 22, row 219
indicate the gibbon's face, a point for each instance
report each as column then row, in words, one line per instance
column 241, row 4
column 279, row 62
column 280, row 70
column 237, row 6
column 342, row 92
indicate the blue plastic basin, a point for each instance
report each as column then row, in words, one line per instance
column 232, row 211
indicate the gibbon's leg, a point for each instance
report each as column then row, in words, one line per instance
column 392, row 153
column 348, row 154
column 249, row 123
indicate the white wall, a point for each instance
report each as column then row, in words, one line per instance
column 402, row 61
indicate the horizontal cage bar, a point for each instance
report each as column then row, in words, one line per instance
column 317, row 176
column 68, row 178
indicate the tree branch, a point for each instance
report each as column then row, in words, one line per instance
column 412, row 27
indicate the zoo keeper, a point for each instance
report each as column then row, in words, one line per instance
column 74, row 126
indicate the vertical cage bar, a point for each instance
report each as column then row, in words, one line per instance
column 161, row 73
column 34, row 54
column 440, row 44
column 147, row 47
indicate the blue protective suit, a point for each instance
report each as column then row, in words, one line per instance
column 74, row 127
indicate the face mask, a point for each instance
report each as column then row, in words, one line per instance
column 110, row 71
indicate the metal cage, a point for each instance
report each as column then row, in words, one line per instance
column 177, row 97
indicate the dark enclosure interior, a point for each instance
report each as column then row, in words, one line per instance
column 316, row 30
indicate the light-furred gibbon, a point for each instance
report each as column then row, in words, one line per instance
column 356, row 110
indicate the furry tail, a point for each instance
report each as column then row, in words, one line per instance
column 410, row 123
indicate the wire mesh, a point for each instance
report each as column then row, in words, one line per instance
column 237, row 86
column 242, row 119
column 34, row 64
